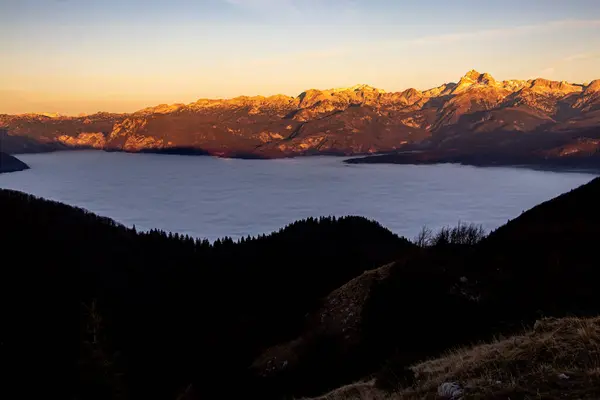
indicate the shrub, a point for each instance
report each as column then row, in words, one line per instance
column 461, row 234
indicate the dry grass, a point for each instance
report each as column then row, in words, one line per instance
column 559, row 359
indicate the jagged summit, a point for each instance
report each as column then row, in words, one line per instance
column 43, row 114
column 487, row 79
column 545, row 86
column 472, row 75
column 365, row 87
column 472, row 78
column 475, row 79
column 476, row 76
column 411, row 93
column 594, row 86
column 357, row 88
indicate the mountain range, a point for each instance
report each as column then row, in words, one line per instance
column 474, row 120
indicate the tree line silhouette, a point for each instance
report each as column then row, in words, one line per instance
column 95, row 310
column 177, row 310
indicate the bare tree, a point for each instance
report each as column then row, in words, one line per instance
column 424, row 237
column 462, row 234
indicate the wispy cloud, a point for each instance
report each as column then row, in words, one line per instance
column 258, row 3
column 282, row 59
column 547, row 72
column 565, row 61
column 498, row 32
column 582, row 56
column 344, row 9
column 266, row 6
column 430, row 40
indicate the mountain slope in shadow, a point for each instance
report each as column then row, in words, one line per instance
column 319, row 304
column 9, row 163
column 168, row 311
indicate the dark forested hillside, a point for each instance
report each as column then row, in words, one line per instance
column 162, row 310
column 95, row 310
column 543, row 263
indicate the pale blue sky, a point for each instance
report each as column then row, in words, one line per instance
column 74, row 56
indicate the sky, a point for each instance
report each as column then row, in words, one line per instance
column 83, row 56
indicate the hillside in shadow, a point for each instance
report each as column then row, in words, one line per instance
column 541, row 264
column 9, row 163
column 95, row 310
column 176, row 311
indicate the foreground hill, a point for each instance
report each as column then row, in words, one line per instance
column 9, row 163
column 160, row 312
column 320, row 304
column 557, row 359
column 454, row 292
column 476, row 117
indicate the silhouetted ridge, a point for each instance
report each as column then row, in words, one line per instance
column 176, row 310
column 321, row 303
column 9, row 163
column 542, row 263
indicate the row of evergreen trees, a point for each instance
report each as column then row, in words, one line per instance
column 175, row 310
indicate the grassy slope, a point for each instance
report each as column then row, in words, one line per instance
column 557, row 359
column 543, row 263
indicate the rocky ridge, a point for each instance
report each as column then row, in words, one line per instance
column 347, row 121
